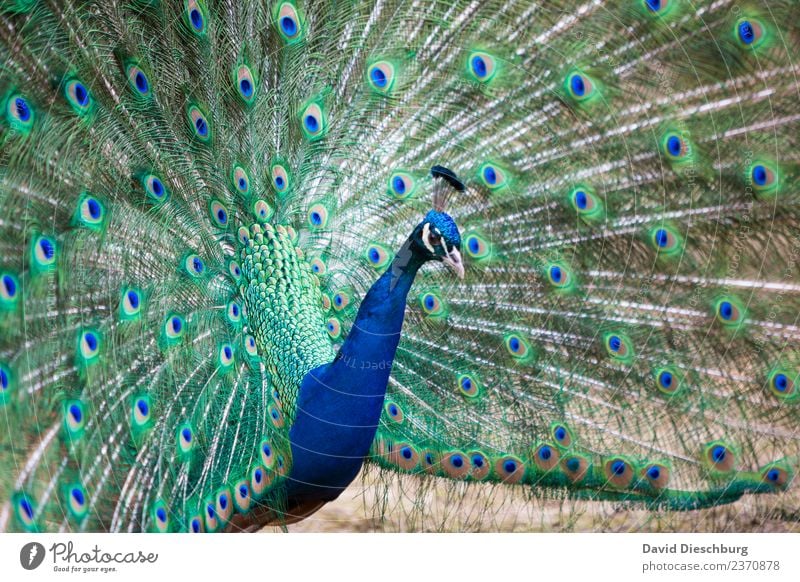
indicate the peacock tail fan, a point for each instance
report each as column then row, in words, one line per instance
column 196, row 195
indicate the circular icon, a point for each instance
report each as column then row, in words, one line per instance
column 31, row 555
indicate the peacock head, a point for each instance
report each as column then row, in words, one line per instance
column 436, row 238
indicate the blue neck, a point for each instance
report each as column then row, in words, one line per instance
column 373, row 339
column 340, row 403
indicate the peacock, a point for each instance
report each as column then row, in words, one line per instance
column 250, row 249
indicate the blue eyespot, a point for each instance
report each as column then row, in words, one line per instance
column 782, row 385
column 173, row 329
column 760, row 175
column 750, row 32
column 618, row 347
column 518, row 347
column 674, row 145
column 479, row 66
column 23, row 111
column 142, row 84
column 312, row 124
column 381, row 76
column 468, row 385
column 581, row 201
column 618, row 472
column 88, row 346
column 493, row 176
column 199, row 123
column 654, row 473
column 509, row 466
column 577, row 85
column 313, row 121
column 93, row 207
column 580, row 87
column 378, row 77
column 195, row 15
column 288, row 22
column 402, row 185
column 288, row 26
column 8, row 291
column 81, row 95
column 219, row 214
column 154, row 188
column 138, row 80
column 378, row 256
column 394, row 412
column 77, row 95
column 47, row 248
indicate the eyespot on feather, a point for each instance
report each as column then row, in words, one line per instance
column 381, row 76
column 618, row 471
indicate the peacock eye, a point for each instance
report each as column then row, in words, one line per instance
column 435, row 239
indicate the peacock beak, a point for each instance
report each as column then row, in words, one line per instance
column 453, row 260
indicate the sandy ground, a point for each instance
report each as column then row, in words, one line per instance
column 375, row 503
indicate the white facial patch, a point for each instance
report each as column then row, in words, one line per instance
column 426, row 234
